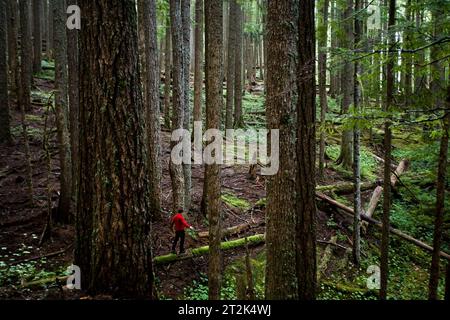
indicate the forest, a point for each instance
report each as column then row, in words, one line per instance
column 224, row 150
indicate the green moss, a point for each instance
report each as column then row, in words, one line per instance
column 253, row 240
column 234, row 201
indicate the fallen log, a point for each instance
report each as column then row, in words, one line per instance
column 349, row 212
column 233, row 230
column 346, row 187
column 196, row 252
column 376, row 195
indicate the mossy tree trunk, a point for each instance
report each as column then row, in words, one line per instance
column 384, row 260
column 198, row 60
column 147, row 23
column 178, row 101
column 281, row 277
column 214, row 104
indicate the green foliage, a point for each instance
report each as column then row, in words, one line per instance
column 232, row 200
column 13, row 275
column 198, row 290
column 369, row 166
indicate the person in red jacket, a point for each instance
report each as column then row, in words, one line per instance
column 179, row 224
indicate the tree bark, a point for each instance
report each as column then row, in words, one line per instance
column 167, row 76
column 50, row 45
column 384, row 265
column 306, row 155
column 214, row 104
column 238, row 83
column 25, row 55
column 5, row 129
column 147, row 22
column 440, row 205
column 12, row 15
column 356, row 145
column 37, row 35
column 64, row 214
column 186, row 27
column 74, row 103
column 231, row 56
column 178, row 101
column 322, row 34
column 25, row 89
column 347, row 86
column 113, row 223
column 198, row 70
column 281, row 276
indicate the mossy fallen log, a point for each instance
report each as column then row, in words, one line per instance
column 196, row 252
column 346, row 187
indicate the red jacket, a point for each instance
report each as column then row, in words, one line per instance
column 180, row 222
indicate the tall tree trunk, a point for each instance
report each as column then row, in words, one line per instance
column 238, row 83
column 281, row 276
column 387, row 157
column 62, row 112
column 167, row 76
column 231, row 56
column 147, row 22
column 186, row 27
column 176, row 170
column 440, row 205
column 198, row 70
column 44, row 25
column 322, row 35
column 50, row 45
column 407, row 73
column 25, row 89
column 5, row 129
column 12, row 14
column 345, row 158
column 25, row 55
column 334, row 73
column 306, row 155
column 214, row 104
column 74, row 103
column 356, row 144
column 113, row 223
column 37, row 35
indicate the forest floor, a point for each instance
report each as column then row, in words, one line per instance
column 23, row 260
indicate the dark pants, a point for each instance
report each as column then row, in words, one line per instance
column 179, row 235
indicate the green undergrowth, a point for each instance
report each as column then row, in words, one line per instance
column 369, row 166
column 234, row 201
column 14, row 274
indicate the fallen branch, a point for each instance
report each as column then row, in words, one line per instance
column 346, row 187
column 349, row 212
column 376, row 195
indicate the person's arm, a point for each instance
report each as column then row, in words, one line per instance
column 185, row 223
